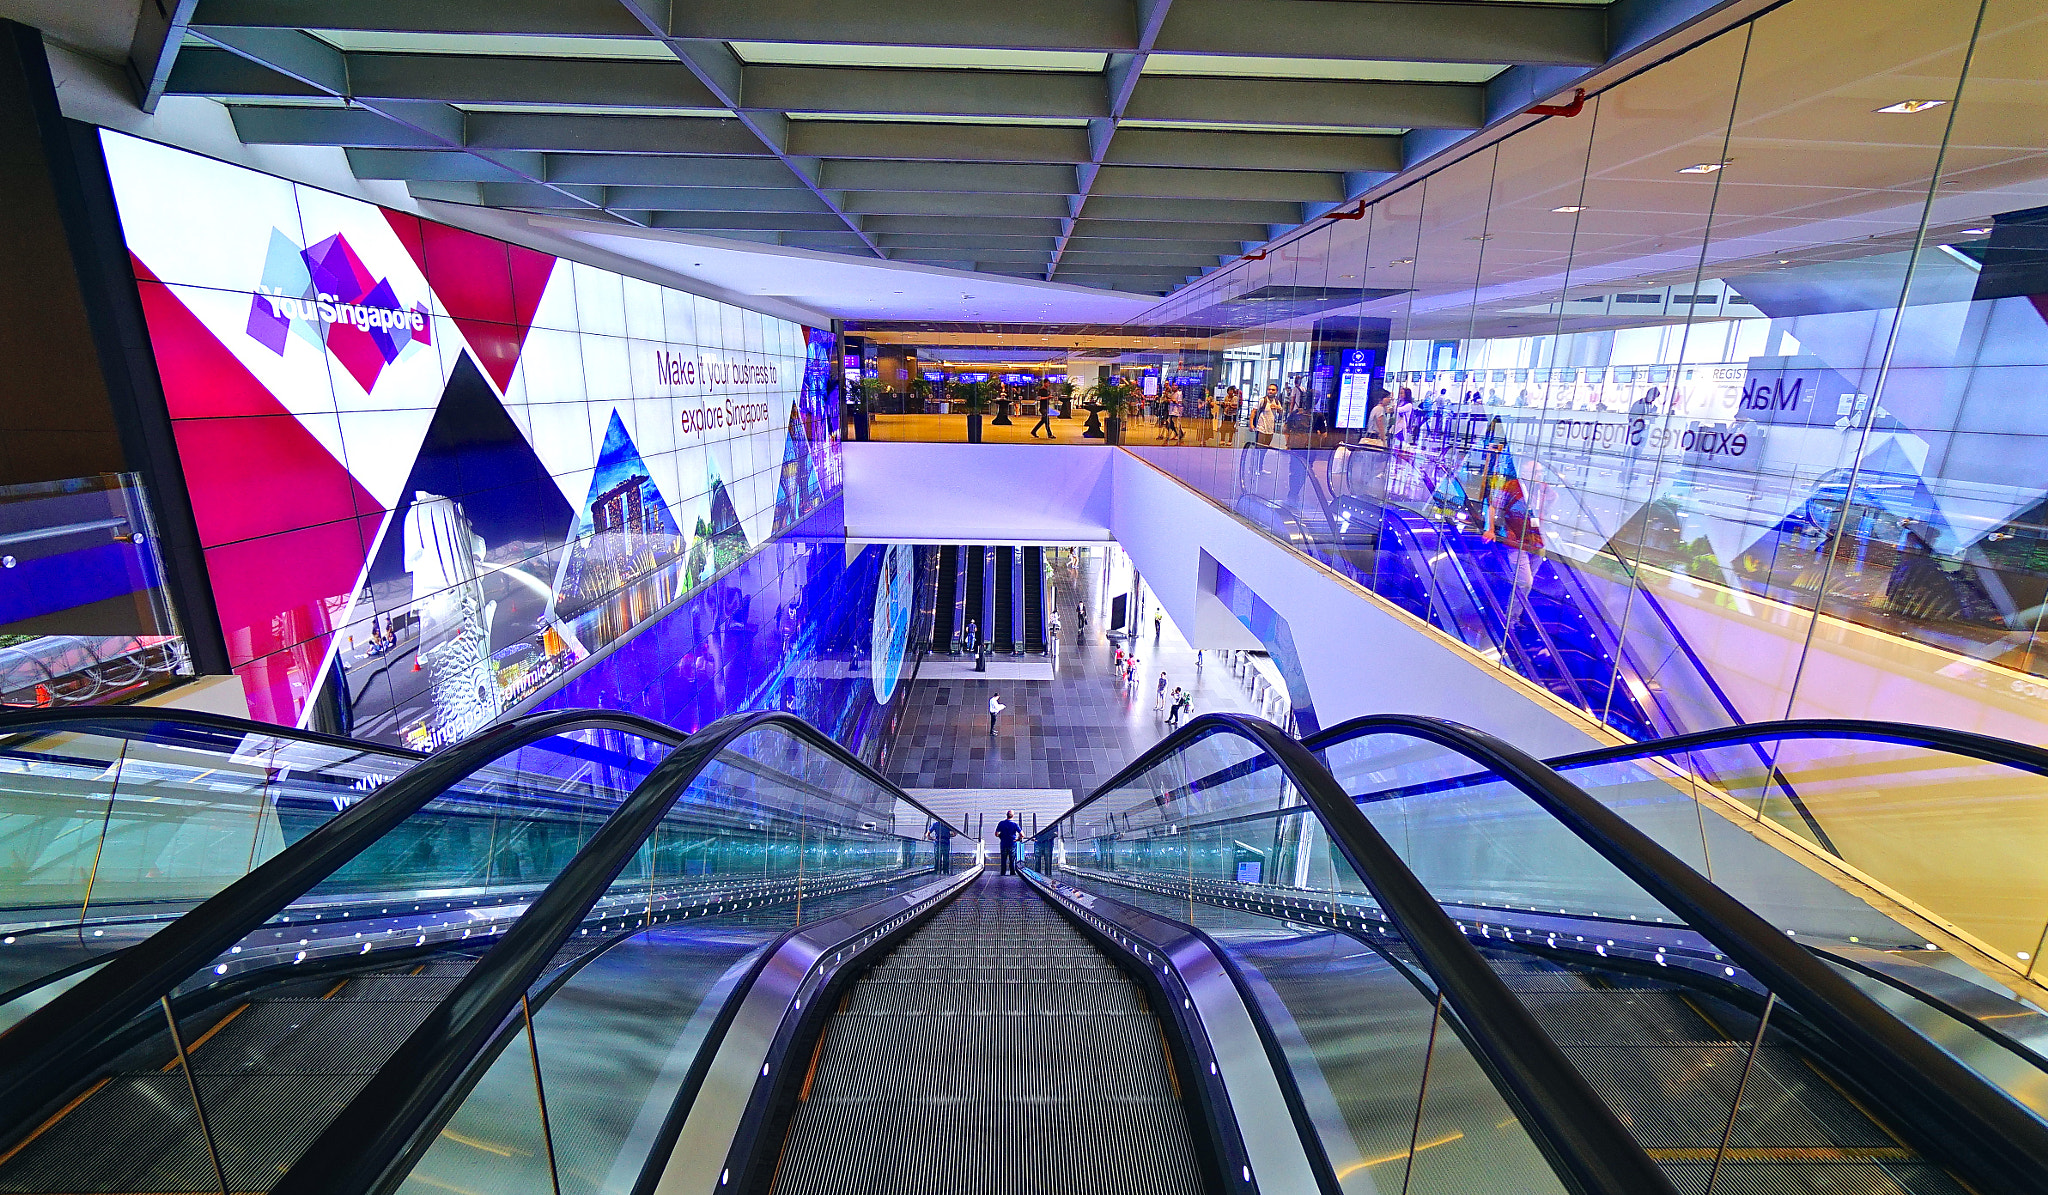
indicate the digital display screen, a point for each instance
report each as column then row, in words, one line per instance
column 432, row 470
column 1355, row 388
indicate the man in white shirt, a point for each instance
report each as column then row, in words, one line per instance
column 995, row 706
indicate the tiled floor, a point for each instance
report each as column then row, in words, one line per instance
column 1073, row 732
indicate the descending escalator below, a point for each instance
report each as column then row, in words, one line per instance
column 993, row 1050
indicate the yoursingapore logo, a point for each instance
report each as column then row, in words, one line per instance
column 324, row 295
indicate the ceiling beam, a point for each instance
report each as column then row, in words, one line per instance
column 1167, row 182
column 1016, row 24
column 559, row 18
column 911, row 203
column 153, row 50
column 1166, row 230
column 629, row 170
column 962, row 177
column 612, row 134
column 923, row 92
column 1398, row 30
column 1250, row 211
column 764, row 221
column 1415, row 30
column 979, row 226
column 914, row 142
column 715, row 199
column 965, row 246
column 1345, row 103
column 1255, row 151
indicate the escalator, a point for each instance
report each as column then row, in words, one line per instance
column 975, row 588
column 582, row 952
column 1002, row 617
column 1073, row 1053
column 1034, row 600
column 946, row 622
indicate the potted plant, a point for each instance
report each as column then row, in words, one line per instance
column 1112, row 396
column 974, row 399
column 921, row 393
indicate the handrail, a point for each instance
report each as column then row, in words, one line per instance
column 104, row 718
column 36, row 1046
column 1576, row 1129
column 1985, row 747
column 1987, row 1133
column 356, row 1150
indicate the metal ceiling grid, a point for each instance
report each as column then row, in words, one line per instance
column 1126, row 144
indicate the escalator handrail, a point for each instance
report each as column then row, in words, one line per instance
column 1577, row 1130
column 1979, row 1121
column 374, row 1131
column 119, row 720
column 36, row 1047
column 1984, row 747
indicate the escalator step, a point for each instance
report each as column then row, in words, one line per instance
column 331, row 1037
column 994, row 1051
column 1110, row 995
column 139, row 1134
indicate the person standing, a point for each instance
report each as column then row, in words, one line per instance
column 972, row 635
column 995, row 706
column 941, row 835
column 1006, row 835
column 1177, row 707
column 1198, row 664
column 1158, row 622
column 1159, row 698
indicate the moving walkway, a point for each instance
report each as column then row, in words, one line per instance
column 583, row 952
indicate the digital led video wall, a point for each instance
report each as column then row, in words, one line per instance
column 432, row 470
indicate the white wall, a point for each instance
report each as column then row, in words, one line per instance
column 978, row 493
column 1360, row 656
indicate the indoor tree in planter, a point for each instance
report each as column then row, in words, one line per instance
column 1113, row 395
column 974, row 399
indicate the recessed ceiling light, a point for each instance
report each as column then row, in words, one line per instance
column 1908, row 107
column 1702, row 167
column 1568, row 209
column 1977, row 232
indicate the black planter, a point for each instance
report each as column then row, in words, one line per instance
column 1002, row 418
column 1094, row 429
column 974, row 427
column 1115, row 428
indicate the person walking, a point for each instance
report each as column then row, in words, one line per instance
column 1158, row 621
column 941, row 835
column 1006, row 835
column 1198, row 664
column 972, row 635
column 1081, row 616
column 1044, row 420
column 1159, row 699
column 995, row 706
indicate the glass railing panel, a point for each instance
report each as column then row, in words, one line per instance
column 1475, row 841
column 1217, row 837
column 1658, row 1022
column 1466, row 1139
column 105, row 837
column 772, row 835
column 1924, row 838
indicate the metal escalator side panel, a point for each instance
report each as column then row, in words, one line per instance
column 1581, row 1136
column 363, row 1146
column 1249, row 1092
column 46, row 1045
column 1961, row 1119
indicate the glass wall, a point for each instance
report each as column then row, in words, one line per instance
column 1717, row 402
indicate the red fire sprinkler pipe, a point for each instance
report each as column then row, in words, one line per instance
column 1577, row 106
